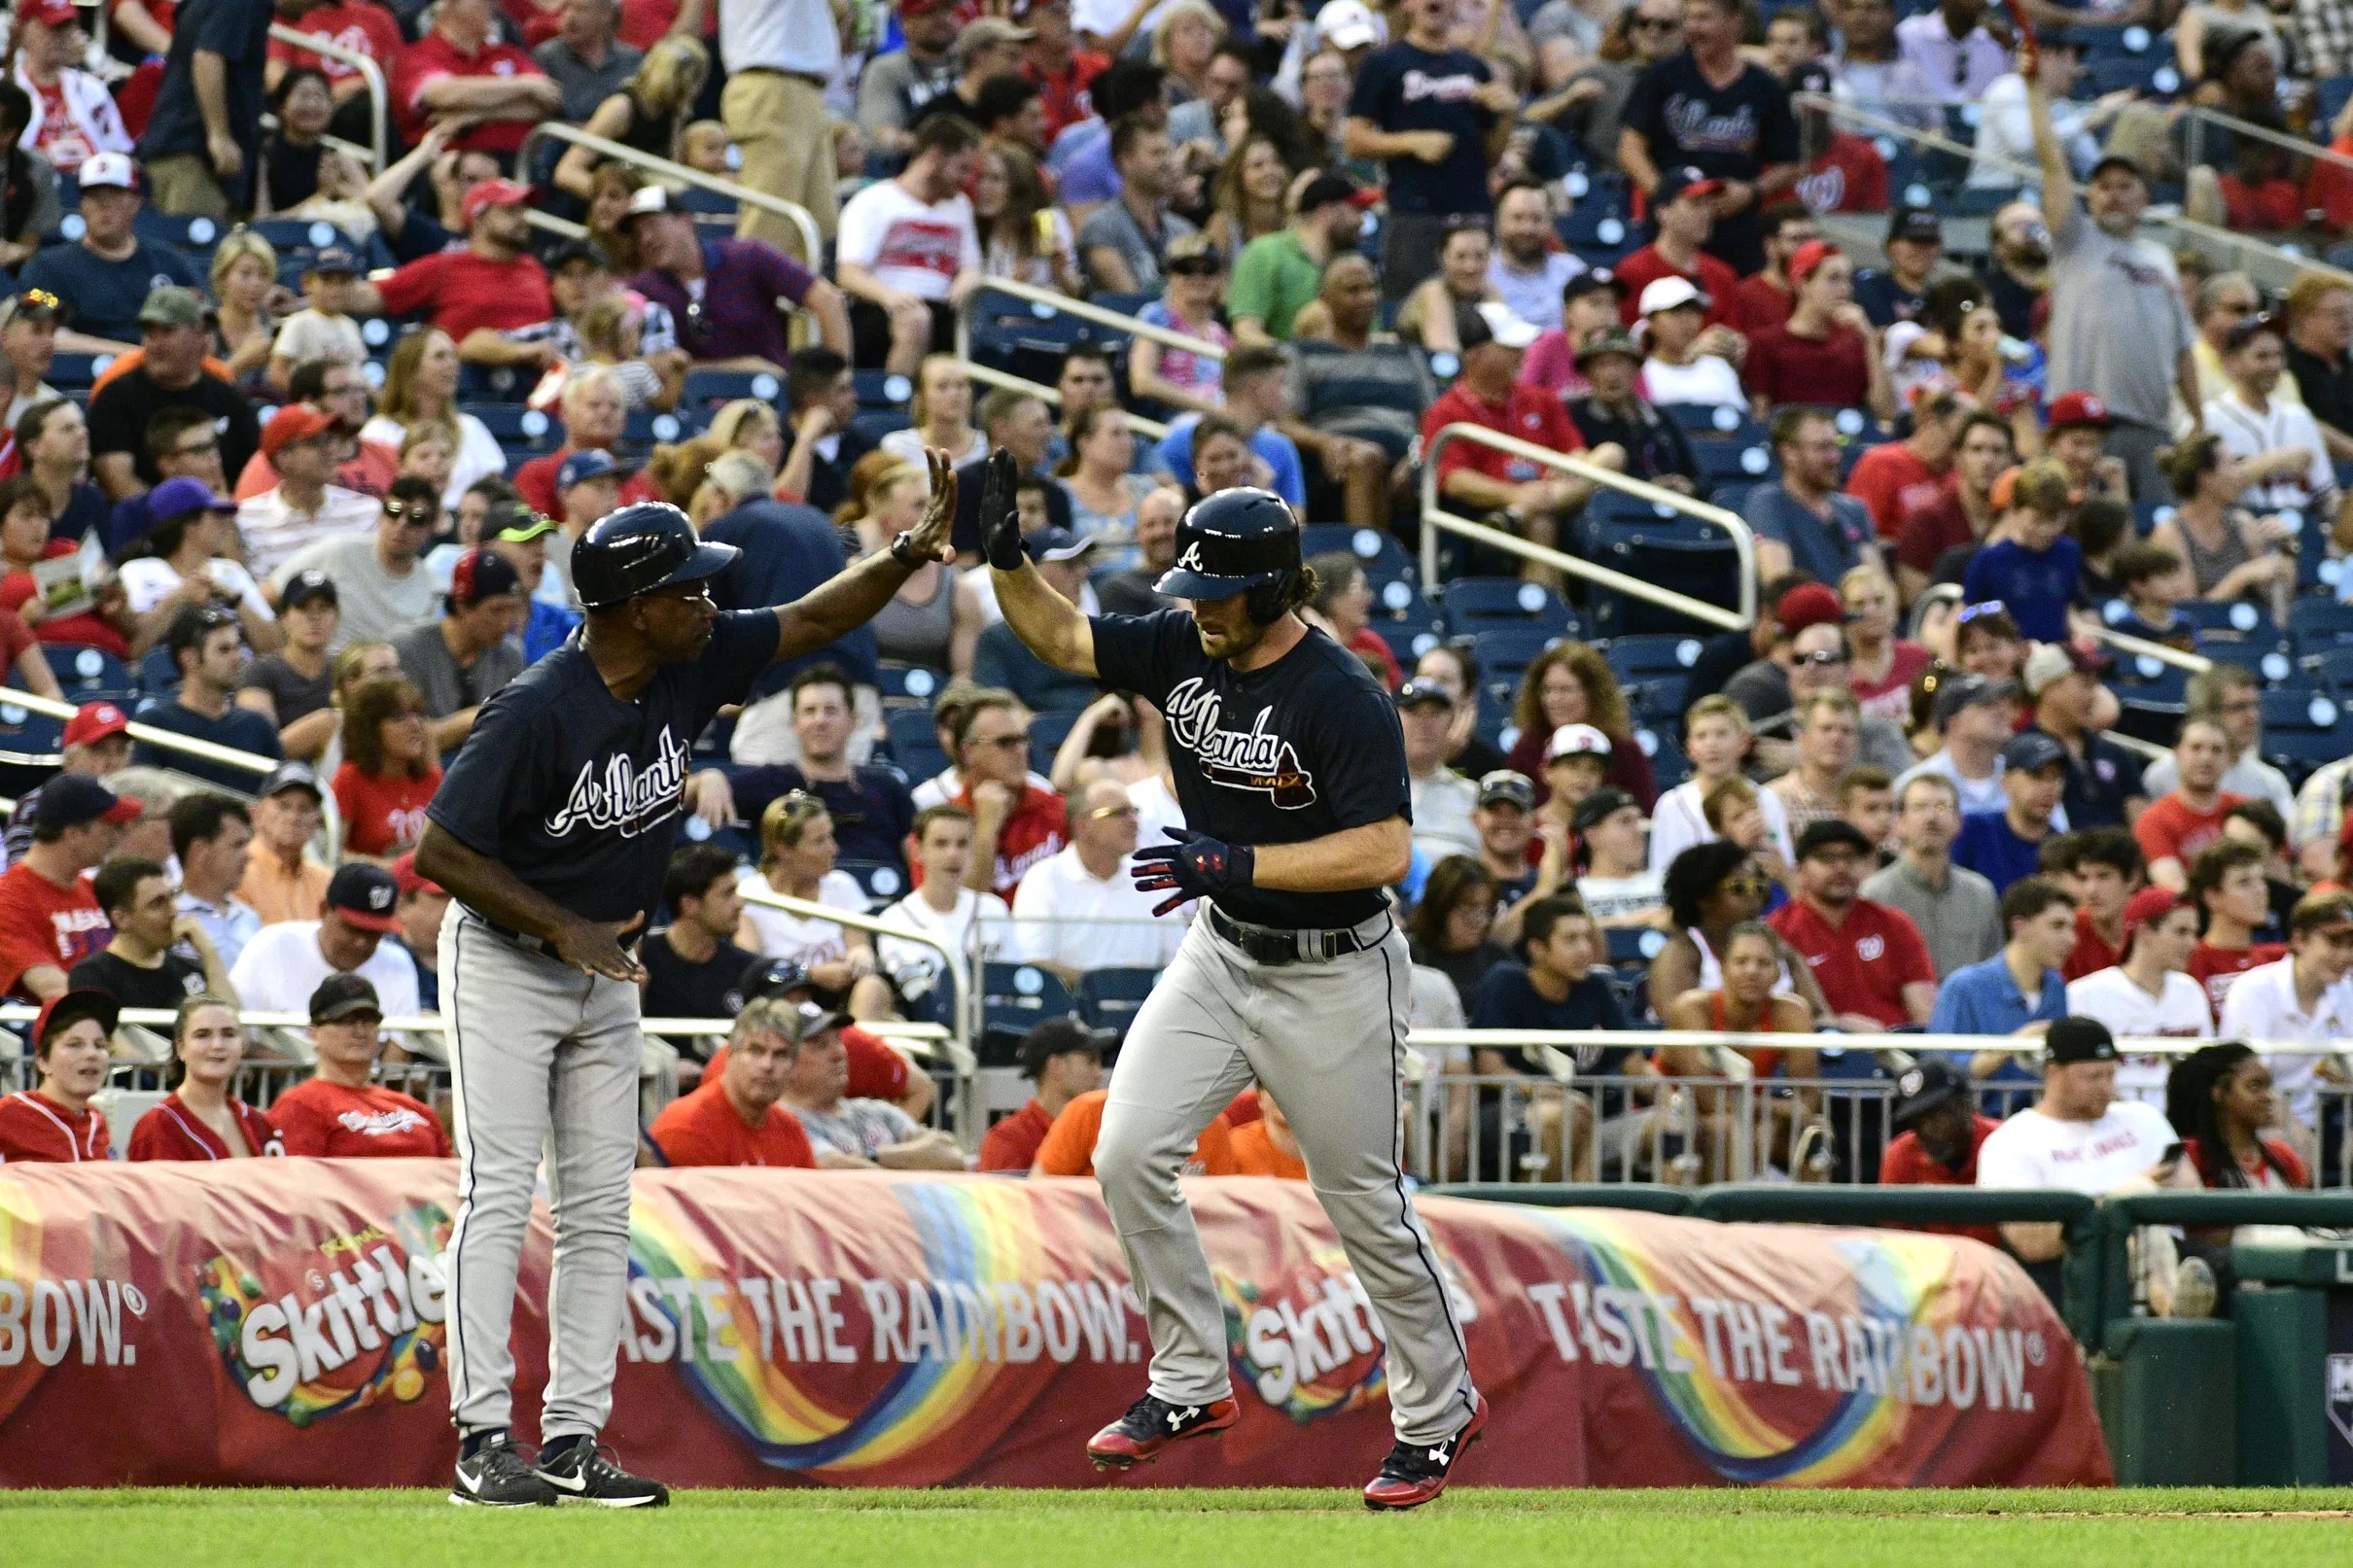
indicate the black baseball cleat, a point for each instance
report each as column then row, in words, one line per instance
column 1152, row 1424
column 1414, row 1473
column 496, row 1474
column 578, row 1471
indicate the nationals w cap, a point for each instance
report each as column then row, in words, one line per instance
column 365, row 896
column 94, row 721
column 1923, row 1085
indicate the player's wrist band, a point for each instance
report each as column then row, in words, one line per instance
column 905, row 552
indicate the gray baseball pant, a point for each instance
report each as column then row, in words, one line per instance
column 536, row 1047
column 1326, row 1041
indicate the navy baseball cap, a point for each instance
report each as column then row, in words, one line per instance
column 2077, row 1038
column 181, row 495
column 70, row 799
column 1916, row 223
column 1415, row 693
column 308, row 584
column 1831, row 832
column 344, row 996
column 1683, row 182
column 365, row 896
column 290, row 776
column 587, row 464
column 480, row 574
column 333, row 262
column 775, row 977
column 2032, row 751
column 1056, row 543
column 1925, row 1085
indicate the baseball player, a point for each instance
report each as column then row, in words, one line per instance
column 553, row 831
column 1290, row 767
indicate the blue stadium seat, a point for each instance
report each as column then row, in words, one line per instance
column 29, row 748
column 1720, row 419
column 883, row 882
column 2237, row 622
column 1633, row 945
column 1505, row 651
column 713, row 387
column 1407, row 621
column 91, row 674
column 2305, row 728
column 1475, row 605
column 645, row 425
column 494, row 383
column 876, row 422
column 1014, row 998
column 1108, row 998
column 910, row 682
column 1689, row 555
column 705, row 203
column 1384, row 559
column 1048, row 730
column 1640, row 657
column 908, row 726
column 1669, row 766
column 1733, row 460
column 881, row 389
column 519, row 429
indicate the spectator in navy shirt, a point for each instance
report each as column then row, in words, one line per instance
column 725, row 294
column 2030, row 564
column 870, row 807
column 1435, row 118
column 104, row 277
column 208, row 649
column 1803, row 522
column 2006, row 847
column 1557, row 989
column 1708, row 109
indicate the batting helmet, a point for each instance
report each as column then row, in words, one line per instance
column 1241, row 541
column 638, row 549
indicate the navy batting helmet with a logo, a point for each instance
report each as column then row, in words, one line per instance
column 638, row 549
column 1240, row 540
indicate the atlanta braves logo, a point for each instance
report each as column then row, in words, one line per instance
column 622, row 798
column 1254, row 759
column 1190, row 560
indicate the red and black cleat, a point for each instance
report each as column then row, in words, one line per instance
column 1152, row 1424
column 1414, row 1473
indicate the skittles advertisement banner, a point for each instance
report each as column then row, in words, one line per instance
column 283, row 1322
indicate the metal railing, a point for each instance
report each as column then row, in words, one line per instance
column 1435, row 517
column 990, row 375
column 2140, row 648
column 1084, row 310
column 792, row 211
column 229, row 756
column 2201, row 116
column 379, row 99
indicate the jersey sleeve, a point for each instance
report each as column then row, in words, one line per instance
column 876, row 1071
column 300, row 1130
column 1908, row 950
column 1359, row 749
column 1142, row 654
column 513, row 762
column 410, row 288
column 742, row 643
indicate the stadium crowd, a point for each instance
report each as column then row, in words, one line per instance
column 295, row 447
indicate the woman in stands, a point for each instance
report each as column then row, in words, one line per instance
column 322, row 737
column 55, row 1122
column 1345, row 600
column 1249, row 196
column 1023, row 235
column 939, row 415
column 1882, row 665
column 1183, row 41
column 1572, row 684
column 2232, row 555
column 200, row 1118
column 390, row 770
column 1957, row 342
column 1430, row 314
column 421, row 388
column 609, row 192
column 292, row 154
column 612, row 329
column 1451, row 924
column 1827, row 352
column 25, row 544
column 797, row 852
column 244, row 275
column 936, row 616
column 1986, row 640
column 1710, row 888
column 1181, row 377
column 750, row 425
column 1745, row 1001
column 646, row 114
column 428, row 452
column 1098, row 477
column 191, row 564
column 2218, row 1099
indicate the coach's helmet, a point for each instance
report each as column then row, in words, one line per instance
column 1240, row 540
column 638, row 549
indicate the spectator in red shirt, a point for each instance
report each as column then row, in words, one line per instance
column 359, row 25
column 1064, row 1057
column 339, row 1111
column 200, row 1118
column 1897, row 478
column 1942, row 1132
column 1766, row 298
column 56, row 1123
column 2228, row 884
column 390, row 770
column 1961, row 513
column 50, row 920
column 2178, row 827
column 595, row 415
column 734, row 1119
column 1827, row 352
column 458, row 72
column 1684, row 205
column 493, row 285
column 1870, row 960
column 1015, row 825
column 1537, row 501
column 2103, row 867
column 1063, row 71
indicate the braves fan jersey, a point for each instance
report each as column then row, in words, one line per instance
column 1304, row 748
column 579, row 793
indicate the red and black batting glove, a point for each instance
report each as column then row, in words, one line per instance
column 1195, row 865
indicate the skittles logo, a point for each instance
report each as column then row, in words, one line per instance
column 356, row 1320
column 1310, row 1344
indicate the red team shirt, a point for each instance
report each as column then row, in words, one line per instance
column 876, row 1071
column 2169, row 829
column 1034, row 832
column 1893, row 483
column 357, row 25
column 1864, row 962
column 2092, row 952
column 1906, row 1165
column 42, row 923
column 704, row 1129
column 1530, row 415
column 1788, row 368
column 321, row 1118
column 2215, row 969
column 382, row 817
column 35, row 1128
column 432, row 57
column 462, row 291
column 1715, row 279
column 173, row 1132
column 1011, row 1143
column 1064, row 97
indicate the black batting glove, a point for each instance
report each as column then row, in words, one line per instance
column 1195, row 865
column 999, row 517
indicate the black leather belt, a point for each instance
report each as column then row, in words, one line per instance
column 529, row 943
column 1277, row 945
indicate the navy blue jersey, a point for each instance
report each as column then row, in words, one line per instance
column 1404, row 87
column 581, row 794
column 1304, row 748
column 1884, row 300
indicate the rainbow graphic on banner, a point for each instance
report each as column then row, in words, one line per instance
column 971, row 1234
column 1897, row 1281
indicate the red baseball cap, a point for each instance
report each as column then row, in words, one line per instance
column 94, row 721
column 405, row 878
column 51, row 12
column 297, row 422
column 2077, row 408
column 1809, row 255
column 2149, row 904
column 490, row 194
column 1809, row 604
column 71, row 1007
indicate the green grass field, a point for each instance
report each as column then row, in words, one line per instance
column 1194, row 1529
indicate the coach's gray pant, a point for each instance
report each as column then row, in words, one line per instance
column 1327, row 1041
column 537, row 1047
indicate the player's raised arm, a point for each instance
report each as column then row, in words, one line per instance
column 1048, row 625
column 853, row 598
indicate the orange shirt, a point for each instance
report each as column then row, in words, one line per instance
column 1012, row 1144
column 704, row 1129
column 321, row 1118
column 278, row 894
column 1255, row 1154
column 1069, row 1149
column 34, row 1127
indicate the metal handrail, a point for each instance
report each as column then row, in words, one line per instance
column 229, row 756
column 1040, row 390
column 1743, row 539
column 2199, row 113
column 2282, row 262
column 553, row 224
column 1101, row 315
column 813, row 245
column 1909, row 1044
column 378, row 97
column 2142, row 647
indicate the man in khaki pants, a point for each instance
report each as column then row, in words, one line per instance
column 780, row 54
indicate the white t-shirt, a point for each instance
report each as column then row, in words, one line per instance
column 1706, row 379
column 2262, row 1006
column 2035, row 1150
column 903, row 962
column 274, row 529
column 282, row 965
column 1063, row 916
column 2116, row 1000
column 1606, row 897
column 478, row 453
column 1679, row 821
column 375, row 605
column 149, row 579
column 1976, row 794
column 1443, row 804
column 908, row 244
column 1156, row 809
column 2244, row 432
column 810, row 942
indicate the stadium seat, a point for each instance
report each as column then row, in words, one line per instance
column 30, row 744
column 904, row 684
column 1048, row 730
column 1504, row 652
column 904, row 727
column 91, row 674
column 519, row 429
column 1476, row 604
column 883, row 882
column 1108, row 998
column 1384, row 559
column 1014, row 998
column 712, row 387
column 1637, row 658
column 1407, row 621
column 1689, row 555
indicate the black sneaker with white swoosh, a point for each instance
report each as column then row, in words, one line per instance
column 496, row 1474
column 578, row 1471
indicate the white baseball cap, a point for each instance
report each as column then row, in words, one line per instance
column 114, row 170
column 1669, row 294
column 1576, row 740
column 1346, row 25
column 1507, row 328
